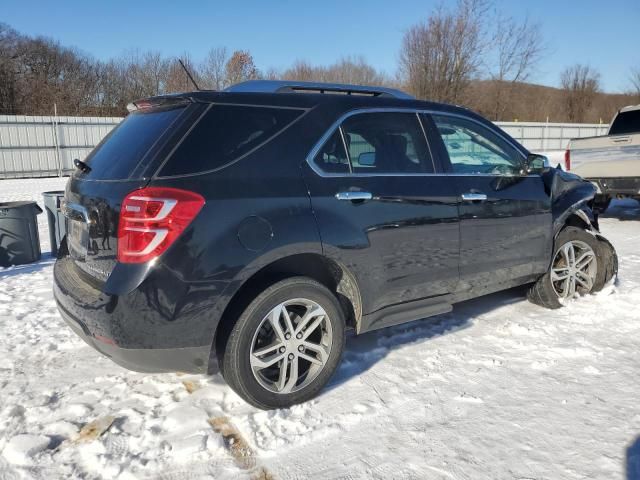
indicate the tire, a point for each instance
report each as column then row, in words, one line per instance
column 549, row 294
column 609, row 259
column 255, row 342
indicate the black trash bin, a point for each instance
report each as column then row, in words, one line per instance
column 57, row 222
column 19, row 240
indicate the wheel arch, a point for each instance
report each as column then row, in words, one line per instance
column 335, row 276
column 579, row 215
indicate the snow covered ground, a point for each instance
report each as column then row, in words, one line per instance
column 497, row 389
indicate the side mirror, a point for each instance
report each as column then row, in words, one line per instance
column 536, row 163
column 368, row 159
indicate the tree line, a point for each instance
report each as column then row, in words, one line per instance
column 469, row 55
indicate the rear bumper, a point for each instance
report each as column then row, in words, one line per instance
column 160, row 326
column 627, row 186
column 146, row 360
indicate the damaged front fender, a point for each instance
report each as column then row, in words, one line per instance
column 570, row 196
column 571, row 204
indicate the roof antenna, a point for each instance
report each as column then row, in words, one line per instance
column 189, row 75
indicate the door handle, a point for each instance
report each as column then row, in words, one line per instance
column 354, row 196
column 474, row 197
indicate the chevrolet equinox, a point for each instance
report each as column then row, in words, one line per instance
column 244, row 231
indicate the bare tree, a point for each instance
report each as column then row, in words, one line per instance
column 213, row 69
column 518, row 48
column 240, row 68
column 153, row 72
column 440, row 57
column 9, row 39
column 177, row 78
column 271, row 74
column 354, row 70
column 635, row 82
column 302, row 71
column 46, row 73
column 580, row 83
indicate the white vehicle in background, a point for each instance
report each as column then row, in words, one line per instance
column 610, row 162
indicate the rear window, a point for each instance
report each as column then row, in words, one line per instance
column 626, row 122
column 225, row 134
column 120, row 152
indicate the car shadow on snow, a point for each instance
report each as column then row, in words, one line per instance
column 363, row 351
column 46, row 261
column 633, row 460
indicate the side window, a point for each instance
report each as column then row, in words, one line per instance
column 473, row 148
column 386, row 143
column 332, row 157
column 226, row 133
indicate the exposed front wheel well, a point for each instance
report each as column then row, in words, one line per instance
column 578, row 221
column 315, row 266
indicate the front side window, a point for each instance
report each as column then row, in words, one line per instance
column 386, row 142
column 474, row 149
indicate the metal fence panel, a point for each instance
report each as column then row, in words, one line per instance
column 539, row 136
column 44, row 146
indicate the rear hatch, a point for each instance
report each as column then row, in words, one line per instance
column 121, row 163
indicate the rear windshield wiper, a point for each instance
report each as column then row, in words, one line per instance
column 80, row 165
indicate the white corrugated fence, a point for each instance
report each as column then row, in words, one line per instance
column 45, row 146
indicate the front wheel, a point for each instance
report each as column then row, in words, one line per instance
column 577, row 269
column 286, row 344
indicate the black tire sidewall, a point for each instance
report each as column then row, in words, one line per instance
column 237, row 369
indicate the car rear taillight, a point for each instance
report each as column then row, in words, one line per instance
column 151, row 219
column 567, row 159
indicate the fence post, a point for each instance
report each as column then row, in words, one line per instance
column 56, row 140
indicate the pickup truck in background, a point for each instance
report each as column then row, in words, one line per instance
column 610, row 162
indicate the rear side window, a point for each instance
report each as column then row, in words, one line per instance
column 332, row 157
column 119, row 153
column 386, row 142
column 625, row 123
column 224, row 134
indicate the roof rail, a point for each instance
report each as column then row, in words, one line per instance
column 283, row 86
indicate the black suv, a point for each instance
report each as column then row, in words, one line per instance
column 245, row 230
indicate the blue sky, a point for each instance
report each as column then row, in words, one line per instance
column 601, row 33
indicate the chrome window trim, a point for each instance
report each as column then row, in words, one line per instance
column 346, row 150
column 426, row 139
column 320, row 143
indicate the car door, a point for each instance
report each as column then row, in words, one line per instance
column 382, row 211
column 505, row 212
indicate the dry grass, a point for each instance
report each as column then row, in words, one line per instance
column 240, row 450
column 94, row 429
column 190, row 386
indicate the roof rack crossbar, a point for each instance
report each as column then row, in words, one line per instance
column 282, row 86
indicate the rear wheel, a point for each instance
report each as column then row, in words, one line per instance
column 577, row 269
column 286, row 344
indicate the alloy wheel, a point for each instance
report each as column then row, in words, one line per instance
column 574, row 269
column 291, row 346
